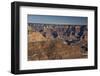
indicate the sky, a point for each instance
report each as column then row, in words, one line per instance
column 48, row 19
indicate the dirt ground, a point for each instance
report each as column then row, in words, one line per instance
column 53, row 49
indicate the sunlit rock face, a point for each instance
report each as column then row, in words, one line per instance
column 52, row 41
column 35, row 37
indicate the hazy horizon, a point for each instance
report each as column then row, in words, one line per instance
column 48, row 19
